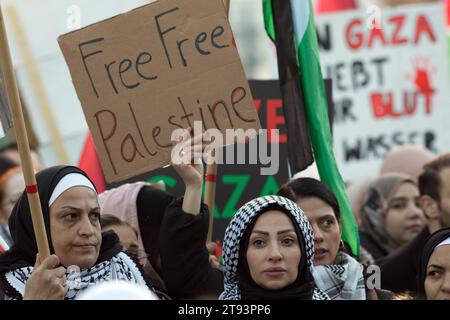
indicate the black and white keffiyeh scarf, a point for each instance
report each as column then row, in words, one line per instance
column 234, row 234
column 120, row 267
column 343, row 280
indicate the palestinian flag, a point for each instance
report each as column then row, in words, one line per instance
column 292, row 22
column 89, row 162
column 325, row 6
column 447, row 6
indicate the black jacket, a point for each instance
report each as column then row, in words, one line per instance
column 399, row 271
column 371, row 246
column 151, row 206
column 185, row 265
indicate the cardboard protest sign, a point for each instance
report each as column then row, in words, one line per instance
column 390, row 84
column 143, row 74
column 239, row 183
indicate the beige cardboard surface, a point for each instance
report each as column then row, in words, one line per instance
column 142, row 74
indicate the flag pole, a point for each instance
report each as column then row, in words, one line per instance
column 210, row 191
column 211, row 171
column 12, row 93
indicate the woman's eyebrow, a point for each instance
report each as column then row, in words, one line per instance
column 399, row 198
column 285, row 231
column 267, row 233
column 327, row 216
column 77, row 208
column 69, row 207
column 435, row 266
column 261, row 232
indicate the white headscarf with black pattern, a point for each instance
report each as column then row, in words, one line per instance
column 120, row 267
column 235, row 232
column 342, row 280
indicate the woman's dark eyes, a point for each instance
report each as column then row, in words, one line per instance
column 433, row 273
column 399, row 205
column 73, row 215
column 70, row 216
column 328, row 222
column 95, row 215
column 258, row 243
column 288, row 241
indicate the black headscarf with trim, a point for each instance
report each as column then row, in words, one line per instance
column 24, row 249
column 430, row 244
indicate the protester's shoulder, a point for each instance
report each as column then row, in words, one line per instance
column 151, row 195
column 176, row 209
column 384, row 294
column 152, row 203
column 371, row 246
column 378, row 294
column 410, row 252
column 162, row 295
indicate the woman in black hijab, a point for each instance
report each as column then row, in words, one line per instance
column 255, row 267
column 434, row 268
column 80, row 252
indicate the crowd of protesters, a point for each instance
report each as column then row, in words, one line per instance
column 283, row 246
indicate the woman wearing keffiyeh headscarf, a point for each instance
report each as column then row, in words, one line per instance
column 335, row 272
column 268, row 252
column 81, row 255
column 434, row 268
